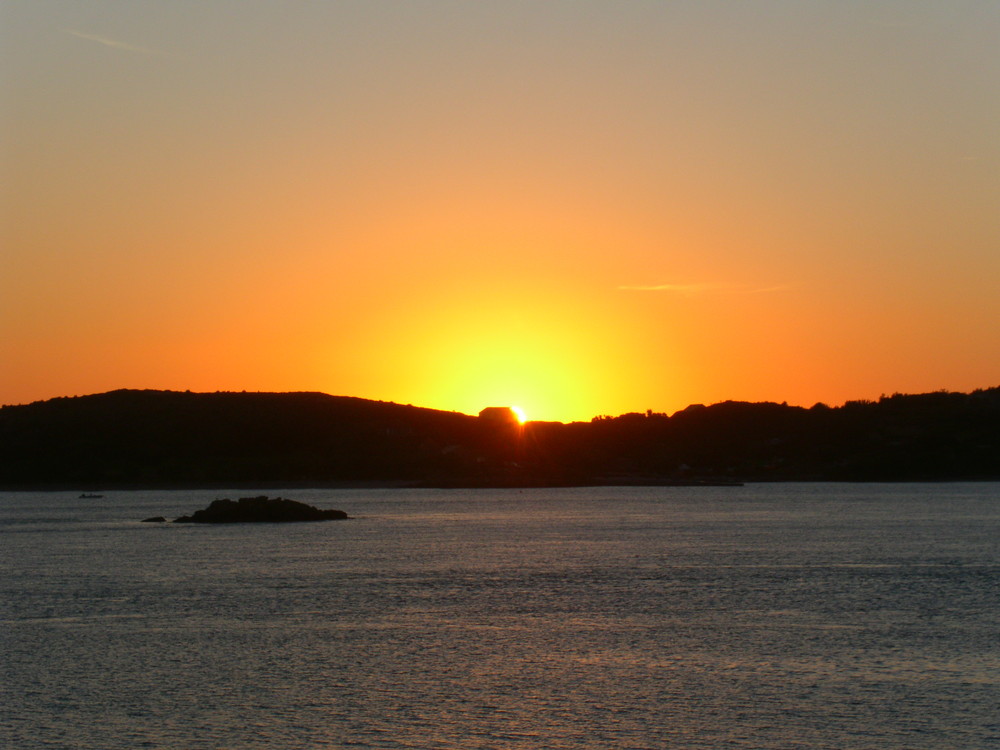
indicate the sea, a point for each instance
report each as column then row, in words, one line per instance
column 787, row 616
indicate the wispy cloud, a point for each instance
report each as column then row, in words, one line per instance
column 113, row 43
column 690, row 290
column 678, row 288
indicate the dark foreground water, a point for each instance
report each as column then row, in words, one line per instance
column 768, row 616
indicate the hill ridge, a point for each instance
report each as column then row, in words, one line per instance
column 151, row 438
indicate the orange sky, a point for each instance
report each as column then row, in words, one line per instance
column 579, row 208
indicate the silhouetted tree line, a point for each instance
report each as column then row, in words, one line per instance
column 164, row 438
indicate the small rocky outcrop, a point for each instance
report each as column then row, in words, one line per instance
column 155, row 519
column 260, row 510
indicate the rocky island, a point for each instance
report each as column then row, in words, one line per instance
column 260, row 509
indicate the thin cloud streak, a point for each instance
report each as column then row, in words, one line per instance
column 114, row 44
column 693, row 289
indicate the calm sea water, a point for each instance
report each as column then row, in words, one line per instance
column 767, row 616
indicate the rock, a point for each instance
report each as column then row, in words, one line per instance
column 260, row 509
column 154, row 519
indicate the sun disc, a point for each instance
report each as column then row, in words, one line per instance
column 519, row 413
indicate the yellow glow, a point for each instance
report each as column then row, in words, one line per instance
column 617, row 247
column 519, row 413
column 551, row 353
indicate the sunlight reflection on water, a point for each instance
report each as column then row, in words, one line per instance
column 790, row 616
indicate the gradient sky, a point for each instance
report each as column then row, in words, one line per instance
column 579, row 207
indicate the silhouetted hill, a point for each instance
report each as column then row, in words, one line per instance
column 163, row 438
column 154, row 438
column 933, row 436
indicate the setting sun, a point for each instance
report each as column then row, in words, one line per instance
column 586, row 209
column 581, row 306
column 478, row 347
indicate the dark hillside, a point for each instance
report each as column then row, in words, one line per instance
column 163, row 438
column 151, row 438
column 934, row 436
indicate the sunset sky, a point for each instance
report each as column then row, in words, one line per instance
column 580, row 208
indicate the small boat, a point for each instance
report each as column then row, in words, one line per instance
column 90, row 496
